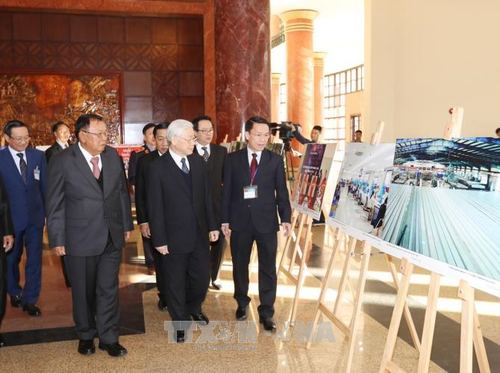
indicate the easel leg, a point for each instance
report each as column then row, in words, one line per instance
column 429, row 324
column 482, row 358
column 359, row 301
column 302, row 222
column 345, row 276
column 406, row 269
column 288, row 242
column 466, row 293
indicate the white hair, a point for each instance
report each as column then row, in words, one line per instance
column 176, row 128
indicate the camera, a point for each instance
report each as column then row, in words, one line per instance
column 284, row 130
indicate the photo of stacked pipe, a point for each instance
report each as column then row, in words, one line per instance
column 360, row 197
column 445, row 202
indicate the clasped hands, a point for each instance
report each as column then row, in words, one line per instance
column 287, row 229
column 212, row 235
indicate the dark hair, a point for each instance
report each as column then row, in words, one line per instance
column 147, row 126
column 13, row 124
column 160, row 126
column 318, row 128
column 197, row 120
column 84, row 121
column 359, row 131
column 56, row 126
column 249, row 123
column 497, row 130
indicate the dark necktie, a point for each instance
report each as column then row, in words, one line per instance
column 185, row 169
column 205, row 153
column 95, row 167
column 253, row 166
column 23, row 166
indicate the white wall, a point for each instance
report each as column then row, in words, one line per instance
column 424, row 57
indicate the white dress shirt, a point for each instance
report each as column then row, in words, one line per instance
column 177, row 159
column 62, row 145
column 17, row 160
column 201, row 151
column 89, row 156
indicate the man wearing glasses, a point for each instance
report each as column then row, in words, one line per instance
column 214, row 157
column 89, row 220
column 23, row 172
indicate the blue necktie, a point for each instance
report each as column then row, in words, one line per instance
column 184, row 166
column 23, row 166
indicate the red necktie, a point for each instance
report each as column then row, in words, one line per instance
column 95, row 167
column 253, row 167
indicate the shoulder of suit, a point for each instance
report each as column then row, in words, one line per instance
column 35, row 151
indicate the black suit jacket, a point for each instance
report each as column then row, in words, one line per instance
column 6, row 227
column 53, row 150
column 132, row 163
column 179, row 215
column 215, row 168
column 141, row 182
column 272, row 193
column 80, row 215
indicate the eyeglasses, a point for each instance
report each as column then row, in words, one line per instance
column 192, row 140
column 19, row 139
column 98, row 134
column 209, row 130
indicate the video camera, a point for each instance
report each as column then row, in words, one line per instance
column 284, row 130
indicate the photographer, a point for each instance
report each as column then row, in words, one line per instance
column 315, row 133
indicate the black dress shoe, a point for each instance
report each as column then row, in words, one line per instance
column 2, row 341
column 216, row 285
column 162, row 306
column 16, row 301
column 200, row 318
column 113, row 349
column 180, row 336
column 86, row 346
column 32, row 309
column 242, row 313
column 268, row 323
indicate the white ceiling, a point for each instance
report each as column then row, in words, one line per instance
column 338, row 30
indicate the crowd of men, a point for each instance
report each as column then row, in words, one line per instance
column 190, row 196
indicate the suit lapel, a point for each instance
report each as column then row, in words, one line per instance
column 9, row 161
column 245, row 165
column 81, row 163
column 106, row 167
column 263, row 164
column 175, row 172
column 31, row 166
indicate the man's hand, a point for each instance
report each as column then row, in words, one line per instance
column 144, row 227
column 163, row 250
column 225, row 229
column 60, row 250
column 287, row 229
column 127, row 235
column 214, row 236
column 8, row 242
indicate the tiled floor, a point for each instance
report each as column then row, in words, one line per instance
column 142, row 325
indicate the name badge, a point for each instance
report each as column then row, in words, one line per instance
column 250, row 192
column 36, row 173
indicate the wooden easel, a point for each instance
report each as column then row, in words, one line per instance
column 470, row 336
column 350, row 242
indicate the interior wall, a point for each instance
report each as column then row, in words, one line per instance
column 424, row 57
column 354, row 106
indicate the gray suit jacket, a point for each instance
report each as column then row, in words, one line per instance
column 79, row 213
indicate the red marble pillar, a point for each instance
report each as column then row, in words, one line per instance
column 319, row 67
column 242, row 64
column 275, row 97
column 299, row 30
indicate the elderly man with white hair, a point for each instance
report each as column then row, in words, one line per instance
column 182, row 222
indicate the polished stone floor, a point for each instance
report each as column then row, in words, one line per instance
column 48, row 343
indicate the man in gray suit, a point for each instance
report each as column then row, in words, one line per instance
column 89, row 220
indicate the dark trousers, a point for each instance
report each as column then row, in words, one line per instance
column 149, row 250
column 31, row 237
column 241, row 249
column 187, row 278
column 3, row 283
column 217, row 250
column 94, row 281
column 160, row 276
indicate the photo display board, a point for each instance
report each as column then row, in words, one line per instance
column 314, row 173
column 443, row 212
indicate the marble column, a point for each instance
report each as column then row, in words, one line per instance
column 299, row 31
column 275, row 97
column 319, row 67
column 242, row 64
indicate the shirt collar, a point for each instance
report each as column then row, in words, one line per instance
column 15, row 153
column 62, row 144
column 87, row 155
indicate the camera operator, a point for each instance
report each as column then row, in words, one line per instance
column 315, row 133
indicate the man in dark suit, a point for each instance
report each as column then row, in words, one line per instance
column 141, row 197
column 254, row 191
column 181, row 220
column 214, row 156
column 89, row 220
column 148, row 147
column 61, row 133
column 6, row 234
column 23, row 172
